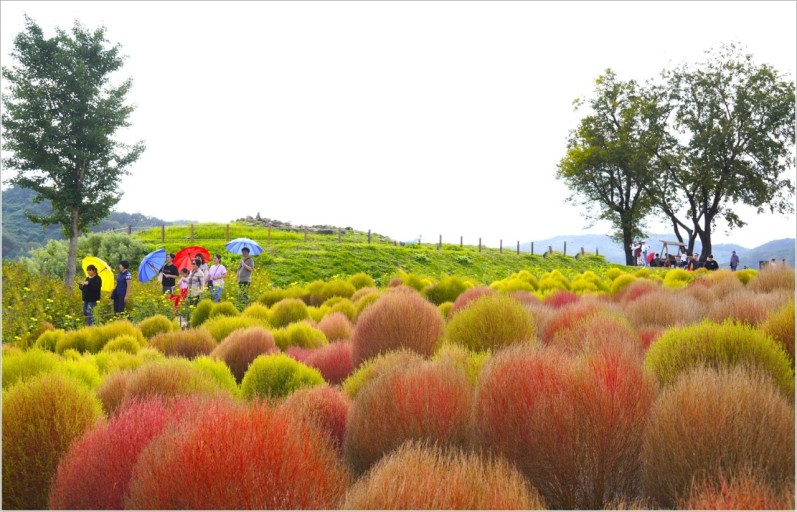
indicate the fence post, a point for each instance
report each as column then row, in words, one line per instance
column 518, row 246
column 228, row 232
column 596, row 251
column 338, row 235
column 501, row 246
column 268, row 240
column 163, row 233
column 129, row 229
column 564, row 251
column 192, row 232
column 369, row 236
column 305, row 233
column 550, row 249
column 440, row 243
column 480, row 244
column 460, row 240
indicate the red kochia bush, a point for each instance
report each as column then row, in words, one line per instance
column 334, row 361
column 95, row 473
column 745, row 492
column 576, row 426
column 469, row 296
column 241, row 347
column 425, row 401
column 328, row 407
column 401, row 318
column 336, row 326
column 561, row 298
column 41, row 418
column 243, row 458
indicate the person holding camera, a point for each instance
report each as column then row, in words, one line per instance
column 215, row 277
column 91, row 293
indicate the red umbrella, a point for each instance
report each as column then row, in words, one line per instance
column 184, row 257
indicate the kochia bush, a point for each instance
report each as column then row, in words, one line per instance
column 155, row 324
column 189, row 343
column 327, row 407
column 27, row 364
column 334, row 361
column 240, row 348
column 490, row 322
column 288, row 311
column 780, row 326
column 41, row 418
column 336, row 326
column 201, row 312
column 277, row 376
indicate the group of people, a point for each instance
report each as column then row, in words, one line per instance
column 179, row 284
column 644, row 258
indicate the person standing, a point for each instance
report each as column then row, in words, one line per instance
column 244, row 273
column 196, row 282
column 644, row 248
column 215, row 277
column 734, row 261
column 169, row 273
column 694, row 263
column 91, row 293
column 122, row 290
column 711, row 263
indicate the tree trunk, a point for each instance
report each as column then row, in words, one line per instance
column 705, row 238
column 628, row 238
column 71, row 262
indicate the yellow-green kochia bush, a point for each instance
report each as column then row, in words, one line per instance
column 721, row 346
column 41, row 417
column 277, row 376
column 491, row 322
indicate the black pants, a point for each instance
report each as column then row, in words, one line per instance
column 118, row 304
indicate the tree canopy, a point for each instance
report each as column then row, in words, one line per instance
column 59, row 121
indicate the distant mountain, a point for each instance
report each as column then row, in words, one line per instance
column 613, row 251
column 20, row 234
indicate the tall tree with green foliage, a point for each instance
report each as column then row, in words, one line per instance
column 607, row 159
column 727, row 128
column 59, row 119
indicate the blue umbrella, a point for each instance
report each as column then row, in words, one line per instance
column 236, row 246
column 151, row 265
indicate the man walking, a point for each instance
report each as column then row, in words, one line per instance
column 734, row 261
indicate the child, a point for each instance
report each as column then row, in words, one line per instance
column 183, row 284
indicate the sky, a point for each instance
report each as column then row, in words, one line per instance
column 405, row 118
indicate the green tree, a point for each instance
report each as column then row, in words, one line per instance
column 60, row 116
column 727, row 128
column 607, row 159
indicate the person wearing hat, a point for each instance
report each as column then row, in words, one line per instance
column 122, row 290
column 244, row 273
column 711, row 263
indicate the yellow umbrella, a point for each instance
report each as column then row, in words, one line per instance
column 103, row 270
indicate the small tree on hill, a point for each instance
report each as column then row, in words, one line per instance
column 60, row 116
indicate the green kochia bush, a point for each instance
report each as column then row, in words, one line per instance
column 219, row 372
column 41, row 418
column 447, row 289
column 288, row 311
column 223, row 309
column 490, row 322
column 155, row 325
column 299, row 335
column 277, row 376
column 201, row 312
column 26, row 365
column 124, row 343
column 223, row 326
column 725, row 345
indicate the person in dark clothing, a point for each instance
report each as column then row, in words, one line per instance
column 169, row 273
column 711, row 263
column 91, row 293
column 122, row 290
column 694, row 263
column 734, row 261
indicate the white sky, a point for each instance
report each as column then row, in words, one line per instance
column 406, row 118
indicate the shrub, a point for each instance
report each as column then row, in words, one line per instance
column 344, row 306
column 252, row 458
column 445, row 308
column 108, row 362
column 490, row 322
column 724, row 282
column 464, row 360
column 677, row 278
column 561, row 298
column 717, row 422
column 780, row 326
column 240, row 348
column 426, row 402
column 742, row 492
column 189, row 343
column 41, row 418
column 171, row 377
column 300, row 334
column 337, row 288
column 155, row 325
column 223, row 309
column 576, row 427
column 277, row 376
column 113, row 330
column 95, row 472
column 744, row 306
column 664, row 309
column 336, row 327
column 112, row 389
column 201, row 312
column 374, row 367
column 723, row 345
column 222, row 326
column 48, row 340
column 361, row 280
column 622, row 282
column 452, row 480
column 447, row 289
column 257, row 311
column 746, row 275
column 288, row 311
column 334, row 361
column 24, row 365
column 468, row 296
column 82, row 370
column 637, row 289
column 773, row 277
column 218, row 372
column 399, row 319
column 123, row 343
column 566, row 317
column 327, row 407
column 599, row 330
column 80, row 340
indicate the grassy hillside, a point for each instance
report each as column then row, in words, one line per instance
column 289, row 259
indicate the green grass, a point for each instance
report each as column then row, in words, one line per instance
column 288, row 259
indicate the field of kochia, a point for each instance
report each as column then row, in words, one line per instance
column 562, row 384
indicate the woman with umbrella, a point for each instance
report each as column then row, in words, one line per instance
column 215, row 277
column 90, row 289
